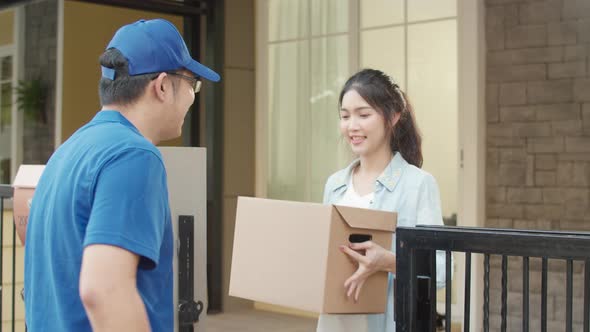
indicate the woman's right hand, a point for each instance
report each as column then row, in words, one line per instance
column 375, row 259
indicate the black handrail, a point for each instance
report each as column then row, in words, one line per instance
column 424, row 241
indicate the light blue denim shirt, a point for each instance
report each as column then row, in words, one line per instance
column 410, row 192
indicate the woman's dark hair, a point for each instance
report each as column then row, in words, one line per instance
column 124, row 89
column 379, row 90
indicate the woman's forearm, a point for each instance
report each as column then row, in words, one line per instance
column 389, row 262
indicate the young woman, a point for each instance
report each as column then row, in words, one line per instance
column 377, row 121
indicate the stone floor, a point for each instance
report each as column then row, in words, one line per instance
column 258, row 321
column 255, row 321
column 263, row 321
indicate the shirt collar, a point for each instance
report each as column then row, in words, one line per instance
column 114, row 116
column 389, row 178
column 391, row 174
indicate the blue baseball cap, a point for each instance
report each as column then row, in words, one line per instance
column 155, row 46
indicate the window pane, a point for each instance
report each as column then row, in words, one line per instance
column 6, row 71
column 288, row 123
column 432, row 86
column 419, row 10
column 5, row 105
column 329, row 16
column 5, row 94
column 386, row 56
column 287, row 19
column 329, row 68
column 376, row 13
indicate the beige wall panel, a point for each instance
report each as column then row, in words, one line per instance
column 239, row 133
column 6, row 27
column 87, row 30
column 239, row 127
column 239, row 34
column 238, row 163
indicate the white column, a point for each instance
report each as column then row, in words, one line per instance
column 471, row 55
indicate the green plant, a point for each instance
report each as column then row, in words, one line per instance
column 31, row 95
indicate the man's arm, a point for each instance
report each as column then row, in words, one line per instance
column 108, row 289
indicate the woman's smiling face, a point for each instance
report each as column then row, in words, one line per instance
column 362, row 126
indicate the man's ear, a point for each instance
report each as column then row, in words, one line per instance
column 159, row 86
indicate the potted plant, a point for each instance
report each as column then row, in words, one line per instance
column 31, row 96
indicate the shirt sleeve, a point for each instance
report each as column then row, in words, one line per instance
column 326, row 193
column 428, row 208
column 429, row 212
column 130, row 204
column 328, row 189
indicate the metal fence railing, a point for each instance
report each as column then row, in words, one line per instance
column 415, row 301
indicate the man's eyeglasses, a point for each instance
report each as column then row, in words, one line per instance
column 195, row 83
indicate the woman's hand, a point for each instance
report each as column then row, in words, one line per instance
column 375, row 259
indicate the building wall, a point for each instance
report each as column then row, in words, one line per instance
column 40, row 63
column 239, row 126
column 6, row 27
column 538, row 139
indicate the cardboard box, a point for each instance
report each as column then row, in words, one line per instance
column 287, row 253
column 24, row 186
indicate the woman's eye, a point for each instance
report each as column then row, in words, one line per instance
column 344, row 117
column 366, row 115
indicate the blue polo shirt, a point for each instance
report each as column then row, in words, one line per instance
column 105, row 185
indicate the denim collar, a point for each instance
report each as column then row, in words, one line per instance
column 388, row 179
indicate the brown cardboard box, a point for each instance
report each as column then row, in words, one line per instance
column 24, row 185
column 287, row 253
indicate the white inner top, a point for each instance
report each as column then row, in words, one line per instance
column 352, row 198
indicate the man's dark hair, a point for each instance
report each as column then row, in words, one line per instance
column 124, row 89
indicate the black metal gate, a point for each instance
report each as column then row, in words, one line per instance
column 415, row 299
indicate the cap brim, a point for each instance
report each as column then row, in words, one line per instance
column 202, row 71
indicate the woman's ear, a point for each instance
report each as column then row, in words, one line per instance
column 395, row 118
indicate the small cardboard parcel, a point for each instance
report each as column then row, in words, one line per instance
column 24, row 185
column 287, row 253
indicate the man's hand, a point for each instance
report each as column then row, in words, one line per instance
column 375, row 259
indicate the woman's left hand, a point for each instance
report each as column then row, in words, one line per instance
column 375, row 259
